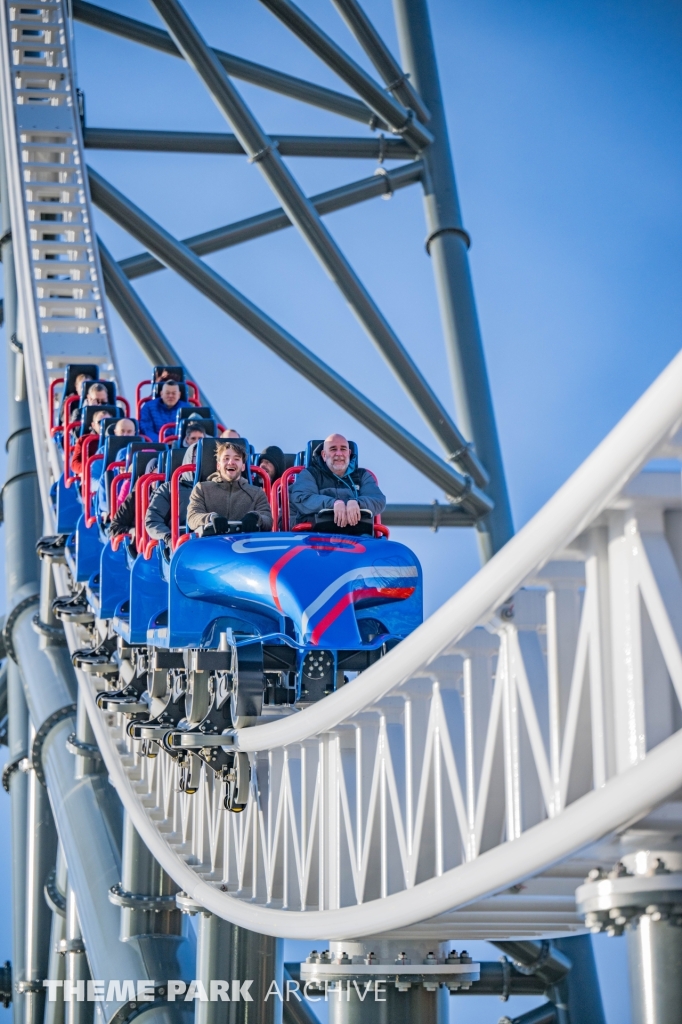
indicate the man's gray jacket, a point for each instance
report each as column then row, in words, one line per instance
column 317, row 488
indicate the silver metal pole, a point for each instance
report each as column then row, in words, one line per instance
column 447, row 244
column 88, row 815
column 54, row 1008
column 16, row 782
column 383, row 184
column 393, row 75
column 226, row 952
column 345, row 147
column 247, row 70
column 655, row 962
column 78, row 1010
column 153, row 890
column 401, row 120
column 303, row 215
column 183, row 261
column 22, row 522
column 41, row 852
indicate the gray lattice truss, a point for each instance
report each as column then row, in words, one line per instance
column 470, row 473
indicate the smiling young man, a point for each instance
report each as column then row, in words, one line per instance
column 333, row 481
column 227, row 498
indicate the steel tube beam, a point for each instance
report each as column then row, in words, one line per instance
column 381, row 57
column 545, row 1014
column 142, row 875
column 295, row 1011
column 246, row 70
column 225, row 951
column 77, row 1011
column 183, row 261
column 433, row 516
column 544, row 960
column 384, row 183
column 41, row 853
column 399, row 119
column 139, row 320
column 56, row 971
column 18, row 791
column 447, row 244
column 221, row 142
column 654, row 958
column 303, row 214
column 88, row 816
column 22, row 521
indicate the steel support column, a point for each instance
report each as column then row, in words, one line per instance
column 41, row 853
column 303, row 215
column 380, row 184
column 345, row 147
column 224, row 952
column 183, row 261
column 655, row 962
column 22, row 523
column 247, row 70
column 54, row 1008
column 447, row 244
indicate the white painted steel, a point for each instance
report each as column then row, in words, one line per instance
column 61, row 308
column 467, row 782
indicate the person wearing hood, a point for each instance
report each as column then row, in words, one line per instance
column 333, row 481
column 272, row 461
column 227, row 498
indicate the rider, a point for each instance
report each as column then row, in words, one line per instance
column 332, row 481
column 159, row 411
column 157, row 521
column 227, row 498
column 98, row 419
column 273, row 462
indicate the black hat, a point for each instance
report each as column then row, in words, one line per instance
column 275, row 455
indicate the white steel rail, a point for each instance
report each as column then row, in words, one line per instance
column 510, row 733
column 506, row 734
column 61, row 308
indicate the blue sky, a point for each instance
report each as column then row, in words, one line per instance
column 564, row 120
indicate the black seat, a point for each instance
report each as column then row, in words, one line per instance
column 137, row 446
column 176, row 373
column 156, row 387
column 173, row 459
column 305, row 458
column 206, row 456
column 193, row 410
column 113, row 446
column 109, row 385
column 111, row 427
column 187, row 422
column 140, row 462
column 89, row 411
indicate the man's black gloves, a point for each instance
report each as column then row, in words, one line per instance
column 221, row 524
column 250, row 523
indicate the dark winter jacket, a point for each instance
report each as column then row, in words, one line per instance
column 123, row 520
column 317, row 488
column 158, row 518
column 155, row 414
column 231, row 500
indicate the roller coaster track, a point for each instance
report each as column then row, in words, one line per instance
column 469, row 780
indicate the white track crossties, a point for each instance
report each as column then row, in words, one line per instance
column 473, row 775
